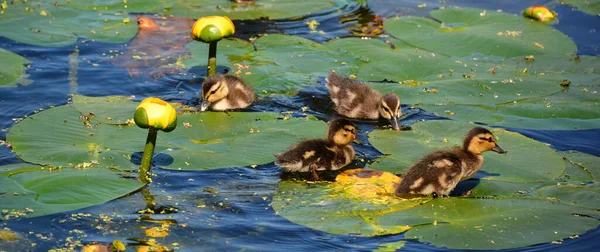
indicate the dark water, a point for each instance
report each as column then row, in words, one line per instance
column 228, row 209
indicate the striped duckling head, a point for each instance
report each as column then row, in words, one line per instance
column 341, row 131
column 390, row 109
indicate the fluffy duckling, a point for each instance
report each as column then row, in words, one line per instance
column 439, row 172
column 224, row 92
column 331, row 153
column 354, row 99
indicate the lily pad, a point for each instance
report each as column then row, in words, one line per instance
column 340, row 207
column 455, row 223
column 28, row 190
column 258, row 9
column 48, row 23
column 465, row 32
column 527, row 160
column 577, row 105
column 281, row 63
column 59, row 23
column 467, row 223
column 577, row 195
column 12, row 69
column 94, row 133
column 588, row 6
column 590, row 164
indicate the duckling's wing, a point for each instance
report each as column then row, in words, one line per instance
column 300, row 156
column 240, row 94
column 437, row 172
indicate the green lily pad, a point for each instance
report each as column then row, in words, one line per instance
column 281, row 64
column 28, row 190
column 93, row 133
column 577, row 105
column 467, row 223
column 333, row 208
column 465, row 32
column 588, row 6
column 12, row 69
column 577, row 195
column 589, row 164
column 46, row 24
column 527, row 160
column 195, row 9
column 378, row 61
column 455, row 223
column 59, row 23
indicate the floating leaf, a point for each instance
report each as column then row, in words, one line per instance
column 28, row 190
column 568, row 109
column 63, row 24
column 468, row 223
column 527, row 160
column 281, row 64
column 12, row 69
column 456, row 223
column 577, row 195
column 59, row 23
column 591, row 7
column 589, row 164
column 82, row 135
column 466, row 32
column 336, row 207
column 232, row 9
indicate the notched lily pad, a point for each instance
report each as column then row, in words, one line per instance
column 358, row 203
column 465, row 32
column 12, row 69
column 468, row 223
column 87, row 134
column 50, row 23
column 577, row 195
column 347, row 206
column 527, row 160
column 590, row 7
column 282, row 64
column 28, row 190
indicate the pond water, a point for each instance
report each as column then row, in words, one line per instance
column 230, row 208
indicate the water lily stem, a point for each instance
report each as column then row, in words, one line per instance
column 212, row 58
column 145, row 174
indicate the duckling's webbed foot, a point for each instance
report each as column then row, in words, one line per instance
column 313, row 170
column 436, row 195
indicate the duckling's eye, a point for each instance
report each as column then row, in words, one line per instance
column 489, row 139
column 213, row 92
column 386, row 109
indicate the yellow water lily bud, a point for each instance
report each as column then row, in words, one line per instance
column 156, row 113
column 212, row 28
column 539, row 13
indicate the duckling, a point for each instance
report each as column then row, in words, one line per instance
column 354, row 99
column 331, row 153
column 224, row 92
column 439, row 172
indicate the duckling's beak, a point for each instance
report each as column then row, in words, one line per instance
column 499, row 150
column 395, row 123
column 204, row 105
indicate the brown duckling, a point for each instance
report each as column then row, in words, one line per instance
column 312, row 155
column 439, row 172
column 354, row 99
column 225, row 92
